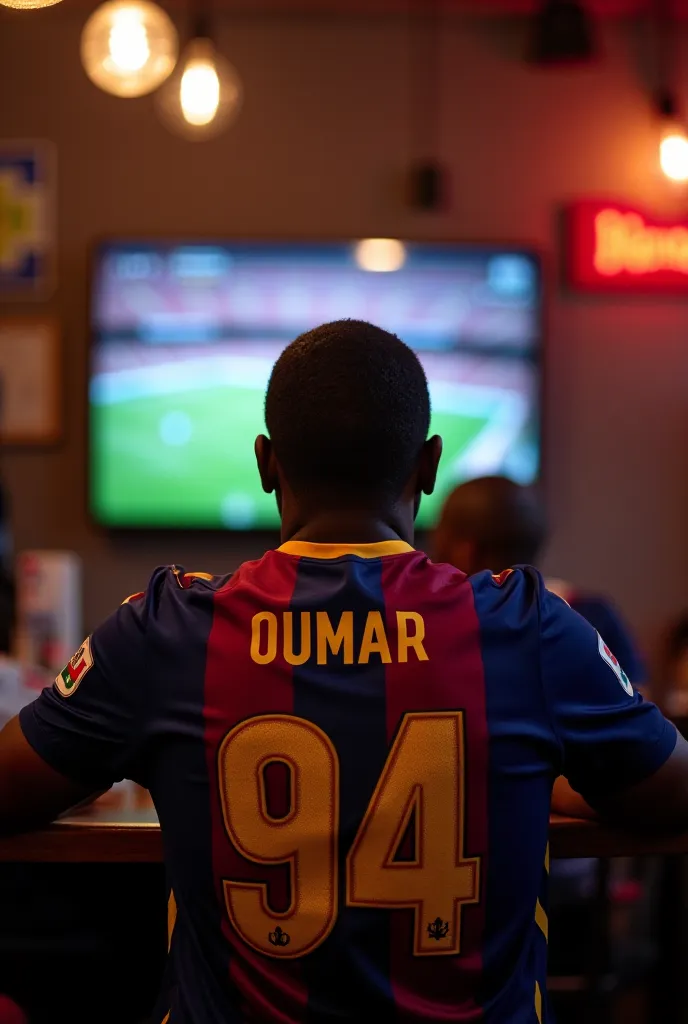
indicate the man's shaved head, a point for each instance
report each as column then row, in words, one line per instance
column 490, row 523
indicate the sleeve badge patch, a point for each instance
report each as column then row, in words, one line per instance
column 69, row 679
column 614, row 665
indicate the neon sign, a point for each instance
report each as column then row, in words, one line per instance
column 616, row 248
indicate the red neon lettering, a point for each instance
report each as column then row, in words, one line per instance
column 624, row 243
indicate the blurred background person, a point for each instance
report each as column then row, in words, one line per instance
column 493, row 523
column 674, row 677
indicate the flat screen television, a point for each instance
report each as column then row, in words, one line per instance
column 185, row 336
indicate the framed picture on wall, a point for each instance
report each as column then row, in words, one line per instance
column 30, row 412
column 27, row 220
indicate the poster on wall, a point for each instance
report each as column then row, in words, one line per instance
column 29, row 381
column 27, row 220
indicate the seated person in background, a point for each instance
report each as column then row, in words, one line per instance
column 493, row 523
column 674, row 682
column 351, row 750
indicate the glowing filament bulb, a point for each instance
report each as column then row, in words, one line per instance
column 128, row 41
column 129, row 47
column 203, row 95
column 673, row 155
column 200, row 92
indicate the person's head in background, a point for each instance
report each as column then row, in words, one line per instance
column 348, row 412
column 490, row 523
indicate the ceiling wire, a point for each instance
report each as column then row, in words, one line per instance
column 424, row 40
column 664, row 55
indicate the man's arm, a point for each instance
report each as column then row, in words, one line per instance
column 624, row 761
column 84, row 733
column 659, row 803
column 32, row 793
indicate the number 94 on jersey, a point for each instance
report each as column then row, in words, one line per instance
column 415, row 790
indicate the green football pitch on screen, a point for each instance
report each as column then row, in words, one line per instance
column 186, row 460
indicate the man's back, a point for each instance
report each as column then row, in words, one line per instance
column 351, row 751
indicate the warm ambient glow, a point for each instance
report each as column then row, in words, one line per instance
column 673, row 155
column 129, row 47
column 200, row 92
column 624, row 242
column 380, row 255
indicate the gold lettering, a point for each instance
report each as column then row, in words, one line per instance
column 264, row 658
column 289, row 656
column 374, row 640
column 328, row 637
column 415, row 640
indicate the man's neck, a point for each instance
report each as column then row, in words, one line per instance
column 347, row 528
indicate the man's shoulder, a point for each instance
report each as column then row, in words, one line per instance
column 171, row 589
column 509, row 600
column 517, row 582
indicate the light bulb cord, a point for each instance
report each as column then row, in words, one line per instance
column 201, row 21
column 664, row 60
column 201, row 26
column 424, row 41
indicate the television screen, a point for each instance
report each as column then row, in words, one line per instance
column 185, row 337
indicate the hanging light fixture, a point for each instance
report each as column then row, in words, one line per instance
column 28, row 5
column 129, row 47
column 204, row 94
column 428, row 181
column 673, row 139
column 562, row 32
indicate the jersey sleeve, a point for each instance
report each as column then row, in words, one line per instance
column 609, row 736
column 608, row 622
column 90, row 724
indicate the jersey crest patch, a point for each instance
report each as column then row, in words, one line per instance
column 614, row 665
column 69, row 679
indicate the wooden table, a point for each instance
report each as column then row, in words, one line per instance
column 123, row 827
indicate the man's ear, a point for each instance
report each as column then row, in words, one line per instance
column 430, row 456
column 267, row 466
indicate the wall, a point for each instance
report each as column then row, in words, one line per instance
column 318, row 151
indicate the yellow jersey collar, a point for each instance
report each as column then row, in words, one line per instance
column 305, row 549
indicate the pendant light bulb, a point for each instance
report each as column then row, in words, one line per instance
column 673, row 155
column 28, row 5
column 204, row 94
column 200, row 88
column 129, row 47
column 673, row 139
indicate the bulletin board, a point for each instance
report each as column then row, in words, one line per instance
column 30, row 412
